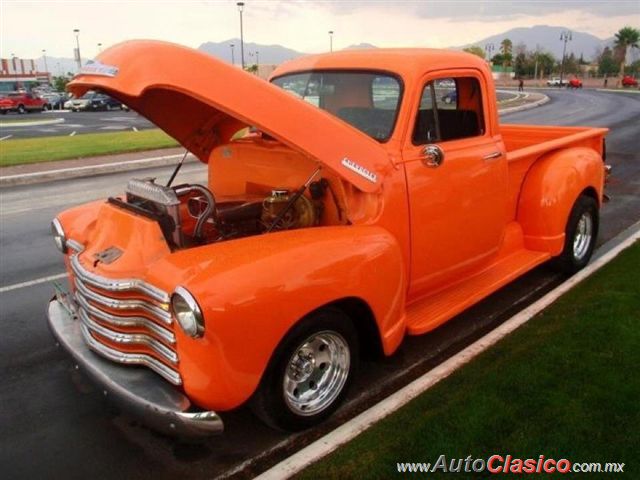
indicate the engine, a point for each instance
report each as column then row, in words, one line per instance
column 190, row 215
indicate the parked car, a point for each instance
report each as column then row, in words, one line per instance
column 263, row 283
column 25, row 102
column 92, row 101
column 450, row 97
column 556, row 82
column 575, row 83
column 629, row 81
column 54, row 100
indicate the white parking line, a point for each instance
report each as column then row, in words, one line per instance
column 4, row 138
column 348, row 431
column 30, row 283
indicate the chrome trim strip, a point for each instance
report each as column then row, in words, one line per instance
column 117, row 285
column 76, row 246
column 493, row 155
column 130, row 338
column 117, row 321
column 118, row 304
column 130, row 358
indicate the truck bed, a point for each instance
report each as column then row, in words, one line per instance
column 526, row 143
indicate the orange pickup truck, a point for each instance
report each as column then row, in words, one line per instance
column 346, row 206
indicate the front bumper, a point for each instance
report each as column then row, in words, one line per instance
column 139, row 391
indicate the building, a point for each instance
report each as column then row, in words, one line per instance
column 20, row 74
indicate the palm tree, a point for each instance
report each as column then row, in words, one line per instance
column 625, row 38
column 506, row 46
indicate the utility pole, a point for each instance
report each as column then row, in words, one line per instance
column 564, row 37
column 240, row 8
column 44, row 55
column 78, row 57
column 233, row 55
column 331, row 40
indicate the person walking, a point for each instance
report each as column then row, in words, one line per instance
column 521, row 85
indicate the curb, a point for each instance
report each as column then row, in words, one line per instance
column 90, row 170
column 618, row 90
column 322, row 447
column 35, row 123
column 526, row 106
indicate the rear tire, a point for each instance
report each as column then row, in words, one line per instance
column 309, row 373
column 21, row 109
column 580, row 235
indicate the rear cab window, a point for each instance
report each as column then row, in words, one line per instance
column 368, row 101
column 450, row 109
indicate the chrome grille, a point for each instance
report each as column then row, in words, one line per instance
column 124, row 328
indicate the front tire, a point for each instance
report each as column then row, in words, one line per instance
column 580, row 235
column 309, row 373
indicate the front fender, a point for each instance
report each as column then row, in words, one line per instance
column 549, row 191
column 253, row 290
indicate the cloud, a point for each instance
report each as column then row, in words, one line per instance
column 464, row 10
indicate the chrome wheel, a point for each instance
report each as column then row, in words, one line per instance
column 316, row 373
column 583, row 236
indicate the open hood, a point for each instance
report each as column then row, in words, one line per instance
column 202, row 102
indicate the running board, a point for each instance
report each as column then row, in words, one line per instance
column 432, row 311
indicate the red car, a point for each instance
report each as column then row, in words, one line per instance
column 574, row 83
column 629, row 81
column 6, row 105
column 23, row 103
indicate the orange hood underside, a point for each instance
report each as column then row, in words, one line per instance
column 202, row 102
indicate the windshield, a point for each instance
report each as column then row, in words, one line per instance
column 366, row 100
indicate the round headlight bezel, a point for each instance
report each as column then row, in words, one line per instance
column 59, row 237
column 187, row 312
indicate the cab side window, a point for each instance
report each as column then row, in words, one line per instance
column 450, row 109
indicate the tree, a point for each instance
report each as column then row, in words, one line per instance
column 60, row 83
column 475, row 50
column 607, row 64
column 627, row 37
column 506, row 46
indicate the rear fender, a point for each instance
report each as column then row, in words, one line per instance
column 549, row 191
column 254, row 290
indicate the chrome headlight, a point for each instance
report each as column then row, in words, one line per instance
column 187, row 312
column 58, row 235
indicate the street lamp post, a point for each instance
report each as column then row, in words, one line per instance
column 258, row 58
column 240, row 8
column 564, row 37
column 331, row 40
column 99, row 48
column 489, row 48
column 78, row 57
column 233, row 55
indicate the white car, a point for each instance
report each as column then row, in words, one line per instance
column 556, row 82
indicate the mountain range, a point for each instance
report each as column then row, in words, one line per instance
column 544, row 37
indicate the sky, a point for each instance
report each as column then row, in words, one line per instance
column 28, row 27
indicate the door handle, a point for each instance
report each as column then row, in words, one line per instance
column 433, row 156
column 493, row 155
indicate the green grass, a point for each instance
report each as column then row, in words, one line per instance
column 565, row 385
column 47, row 149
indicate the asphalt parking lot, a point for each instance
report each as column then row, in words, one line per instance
column 78, row 122
column 56, row 423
